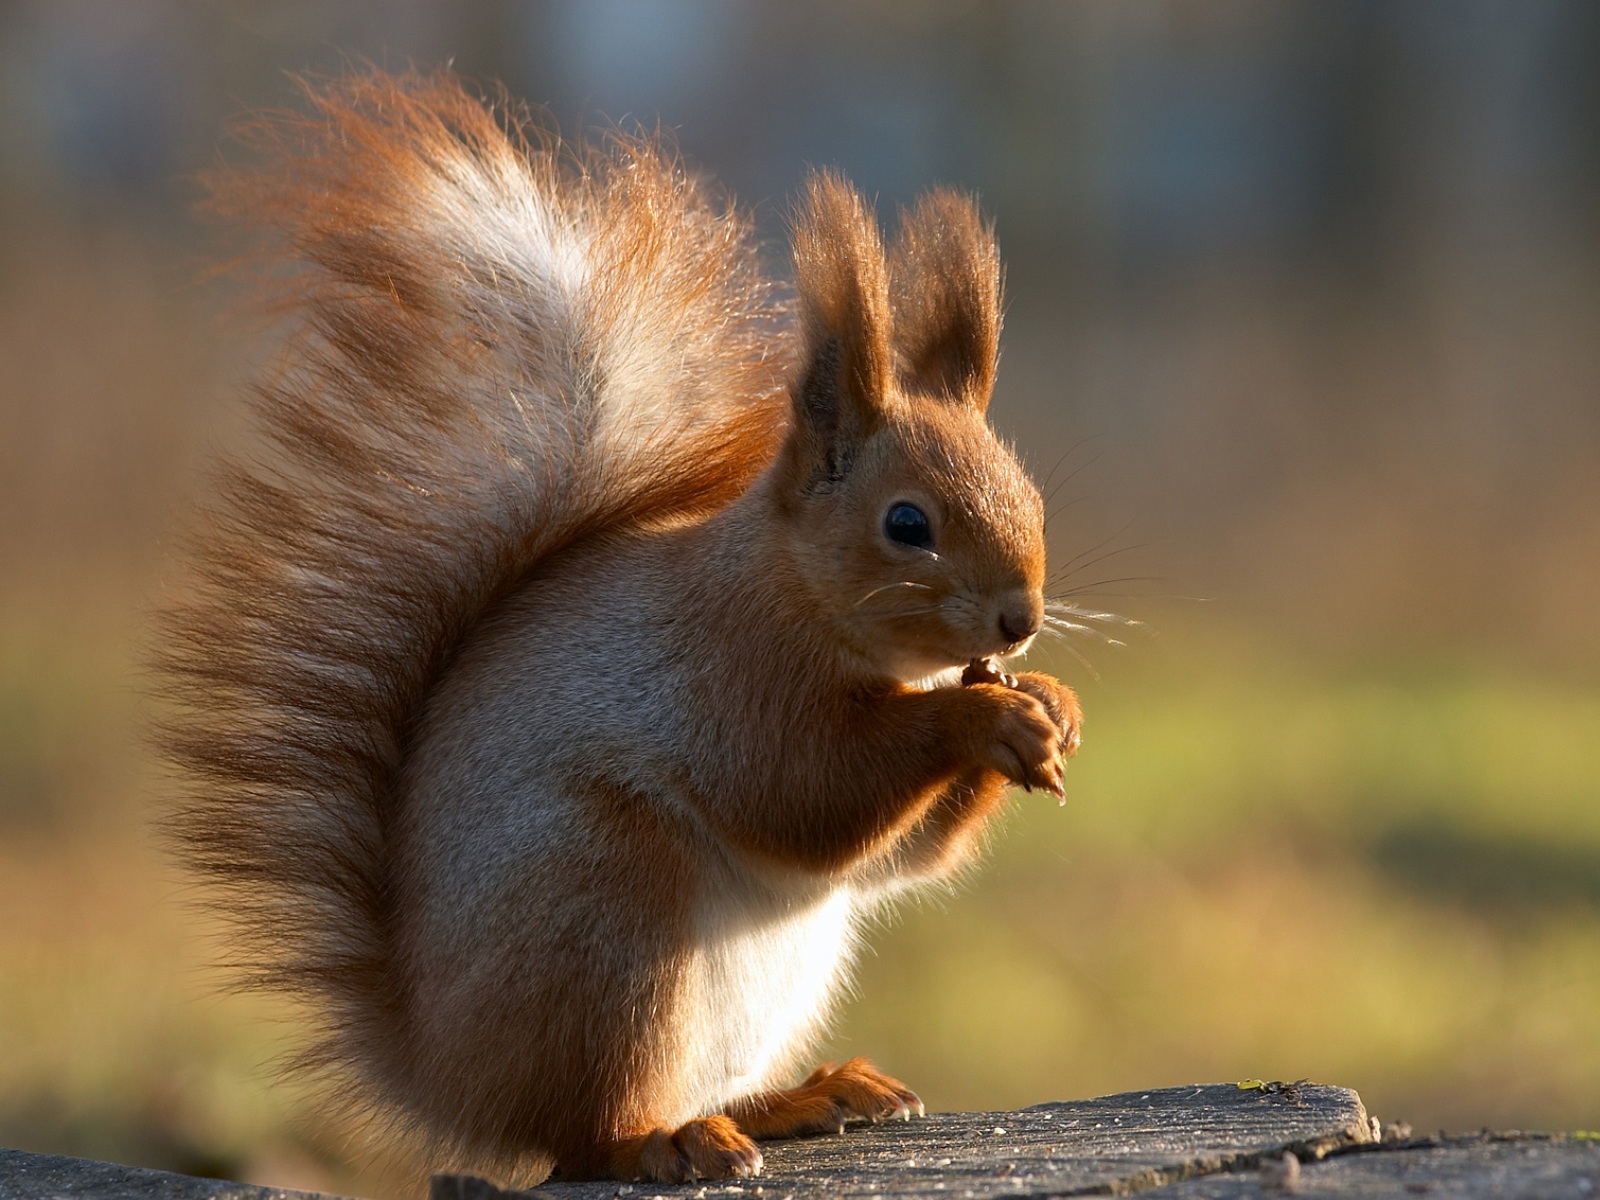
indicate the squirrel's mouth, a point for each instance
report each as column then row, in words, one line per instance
column 942, row 636
column 929, row 663
column 1018, row 648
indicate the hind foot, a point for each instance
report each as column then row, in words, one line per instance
column 705, row 1148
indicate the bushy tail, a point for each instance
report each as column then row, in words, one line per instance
column 499, row 345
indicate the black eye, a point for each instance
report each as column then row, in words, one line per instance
column 908, row 525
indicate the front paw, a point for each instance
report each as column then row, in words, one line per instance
column 1024, row 742
column 1060, row 701
column 829, row 1097
column 858, row 1089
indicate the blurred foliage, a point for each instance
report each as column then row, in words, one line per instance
column 1303, row 301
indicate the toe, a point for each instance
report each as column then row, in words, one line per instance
column 660, row 1160
column 715, row 1148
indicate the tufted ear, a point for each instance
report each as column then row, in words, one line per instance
column 844, row 308
column 946, row 273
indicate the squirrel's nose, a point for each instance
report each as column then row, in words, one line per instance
column 1020, row 619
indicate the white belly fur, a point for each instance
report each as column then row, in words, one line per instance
column 760, row 986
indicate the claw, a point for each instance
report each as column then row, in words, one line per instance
column 909, row 1102
column 1055, row 785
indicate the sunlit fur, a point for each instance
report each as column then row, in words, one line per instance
column 556, row 703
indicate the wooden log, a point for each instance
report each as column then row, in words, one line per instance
column 1484, row 1166
column 1117, row 1144
column 1212, row 1142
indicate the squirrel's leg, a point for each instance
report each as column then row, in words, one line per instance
column 705, row 1148
column 829, row 1096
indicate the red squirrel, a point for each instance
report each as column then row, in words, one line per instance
column 586, row 659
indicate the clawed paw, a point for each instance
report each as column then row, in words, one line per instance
column 707, row 1148
column 1035, row 725
column 858, row 1089
column 1061, row 702
column 1025, row 743
column 830, row 1096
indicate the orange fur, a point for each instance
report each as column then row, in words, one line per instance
column 825, row 1100
column 556, row 688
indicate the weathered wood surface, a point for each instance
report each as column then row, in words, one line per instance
column 1114, row 1144
column 26, row 1176
column 1216, row 1142
column 1488, row 1166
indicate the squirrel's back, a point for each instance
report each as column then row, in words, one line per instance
column 500, row 346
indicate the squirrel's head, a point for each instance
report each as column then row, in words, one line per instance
column 919, row 534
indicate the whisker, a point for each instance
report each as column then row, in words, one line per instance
column 1105, row 541
column 1051, row 474
column 1089, row 588
column 1086, row 614
column 1059, row 509
column 1071, row 450
column 902, row 583
column 1064, row 572
column 1076, row 561
column 918, row 612
column 1073, row 474
column 1060, row 627
column 1075, row 652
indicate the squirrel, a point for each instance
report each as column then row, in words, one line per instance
column 605, row 633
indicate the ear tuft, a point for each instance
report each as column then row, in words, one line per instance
column 843, row 283
column 947, row 299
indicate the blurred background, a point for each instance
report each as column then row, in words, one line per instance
column 1302, row 329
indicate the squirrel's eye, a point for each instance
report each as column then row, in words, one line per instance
column 908, row 525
